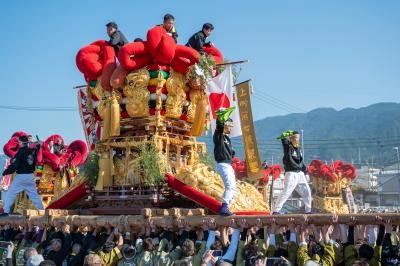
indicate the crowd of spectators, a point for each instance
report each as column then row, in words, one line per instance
column 296, row 243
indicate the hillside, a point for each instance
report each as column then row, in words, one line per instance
column 370, row 132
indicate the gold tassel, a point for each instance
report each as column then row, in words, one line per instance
column 200, row 117
column 107, row 119
column 114, row 116
column 234, row 96
column 104, row 171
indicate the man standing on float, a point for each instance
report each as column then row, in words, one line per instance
column 295, row 171
column 23, row 163
column 223, row 154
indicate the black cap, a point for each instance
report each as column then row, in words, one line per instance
column 23, row 138
column 112, row 24
column 295, row 132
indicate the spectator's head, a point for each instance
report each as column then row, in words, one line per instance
column 56, row 244
column 207, row 29
column 111, row 28
column 281, row 252
column 188, row 248
column 168, row 22
column 138, row 40
column 84, row 229
column 59, row 141
column 108, row 246
column 47, row 263
column 256, row 259
column 116, row 238
column 311, row 263
column 360, row 263
column 148, row 244
column 366, row 251
column 35, row 260
column 282, row 262
column 128, row 252
column 250, row 253
column 29, row 252
column 76, row 248
column 224, row 263
column 51, row 143
column 182, row 263
column 217, row 245
column 92, row 260
column 30, row 138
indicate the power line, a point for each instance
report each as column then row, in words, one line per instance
column 273, row 103
column 39, row 108
column 291, row 106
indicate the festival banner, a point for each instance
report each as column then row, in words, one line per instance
column 90, row 123
column 220, row 95
column 249, row 135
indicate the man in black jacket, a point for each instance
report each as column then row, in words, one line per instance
column 295, row 171
column 223, row 154
column 117, row 39
column 198, row 40
column 23, row 163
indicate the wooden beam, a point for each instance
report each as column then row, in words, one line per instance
column 195, row 218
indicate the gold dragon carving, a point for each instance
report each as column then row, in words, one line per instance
column 327, row 195
column 137, row 95
column 195, row 97
column 207, row 181
column 176, row 86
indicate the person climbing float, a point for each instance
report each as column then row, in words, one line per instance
column 23, row 163
column 168, row 25
column 117, row 39
column 198, row 40
column 295, row 171
column 223, row 154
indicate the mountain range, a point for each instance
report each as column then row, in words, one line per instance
column 362, row 136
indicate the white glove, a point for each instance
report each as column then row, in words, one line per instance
column 307, row 178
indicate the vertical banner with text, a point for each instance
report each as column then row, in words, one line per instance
column 249, row 135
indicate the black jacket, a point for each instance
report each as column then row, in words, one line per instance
column 24, row 161
column 117, row 40
column 58, row 148
column 59, row 256
column 292, row 158
column 197, row 41
column 223, row 151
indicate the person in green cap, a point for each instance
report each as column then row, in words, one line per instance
column 223, row 154
column 295, row 171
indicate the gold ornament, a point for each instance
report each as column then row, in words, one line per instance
column 177, row 88
column 137, row 95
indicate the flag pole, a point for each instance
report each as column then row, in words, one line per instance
column 234, row 62
column 79, row 87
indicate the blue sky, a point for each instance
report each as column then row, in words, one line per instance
column 309, row 54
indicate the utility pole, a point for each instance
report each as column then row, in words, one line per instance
column 302, row 142
column 398, row 159
column 398, row 168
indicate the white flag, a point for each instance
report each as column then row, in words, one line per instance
column 219, row 91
